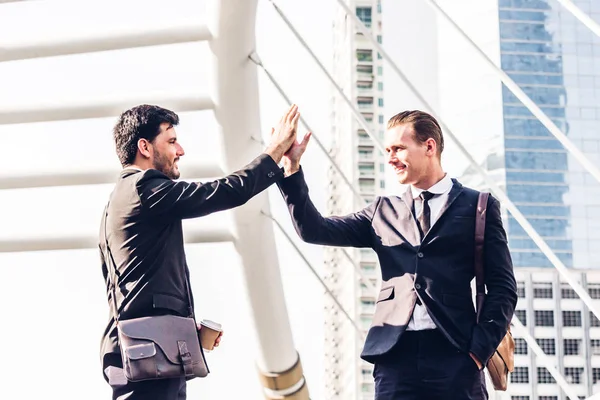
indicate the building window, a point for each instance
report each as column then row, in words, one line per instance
column 520, row 346
column 544, row 318
column 380, row 119
column 380, row 102
column 543, row 376
column 522, row 316
column 521, row 289
column 548, row 398
column 379, row 39
column 379, row 56
column 380, row 86
column 364, row 14
column 548, row 345
column 571, row 347
column 595, row 345
column 364, row 84
column 365, row 102
column 542, row 290
column 364, row 69
column 379, row 7
column 520, row 375
column 379, row 71
column 566, row 292
column 594, row 290
column 594, row 320
column 571, row 318
column 382, row 184
column 573, row 375
column 519, row 397
column 364, row 55
column 595, row 375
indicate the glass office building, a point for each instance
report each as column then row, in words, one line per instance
column 555, row 60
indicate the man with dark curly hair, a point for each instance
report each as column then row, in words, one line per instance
column 143, row 229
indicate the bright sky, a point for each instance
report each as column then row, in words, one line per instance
column 54, row 303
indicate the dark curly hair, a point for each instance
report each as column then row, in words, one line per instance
column 141, row 122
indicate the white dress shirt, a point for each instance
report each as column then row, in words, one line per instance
column 420, row 319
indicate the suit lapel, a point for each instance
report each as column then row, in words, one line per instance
column 408, row 223
column 456, row 190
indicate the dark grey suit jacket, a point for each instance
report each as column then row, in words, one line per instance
column 438, row 270
column 144, row 230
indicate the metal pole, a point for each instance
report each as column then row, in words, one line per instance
column 100, row 107
column 105, row 41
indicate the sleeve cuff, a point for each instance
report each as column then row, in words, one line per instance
column 273, row 171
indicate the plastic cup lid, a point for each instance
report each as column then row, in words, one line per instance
column 211, row 324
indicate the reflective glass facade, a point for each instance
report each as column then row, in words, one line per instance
column 556, row 61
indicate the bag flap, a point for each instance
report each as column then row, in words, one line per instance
column 386, row 294
column 165, row 331
column 141, row 351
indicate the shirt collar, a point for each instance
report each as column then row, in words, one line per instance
column 133, row 168
column 439, row 188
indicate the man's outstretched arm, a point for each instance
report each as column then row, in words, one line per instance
column 351, row 230
column 165, row 198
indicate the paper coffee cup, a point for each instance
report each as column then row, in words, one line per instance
column 209, row 333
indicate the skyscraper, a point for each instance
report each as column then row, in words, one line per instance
column 359, row 71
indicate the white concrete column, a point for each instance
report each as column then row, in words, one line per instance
column 236, row 107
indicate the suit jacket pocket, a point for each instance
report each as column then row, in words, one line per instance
column 386, row 294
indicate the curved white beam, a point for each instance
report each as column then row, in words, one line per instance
column 99, row 107
column 92, row 177
column 102, row 41
column 235, row 93
column 208, row 235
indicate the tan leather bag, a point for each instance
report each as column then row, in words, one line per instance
column 503, row 360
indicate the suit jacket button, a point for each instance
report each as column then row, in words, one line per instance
column 420, row 255
column 271, row 174
column 417, row 286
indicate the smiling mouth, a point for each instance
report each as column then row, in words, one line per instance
column 399, row 168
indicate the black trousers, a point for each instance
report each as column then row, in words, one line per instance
column 426, row 366
column 160, row 389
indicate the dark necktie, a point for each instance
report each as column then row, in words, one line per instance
column 425, row 215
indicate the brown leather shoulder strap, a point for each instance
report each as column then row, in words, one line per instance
column 479, row 240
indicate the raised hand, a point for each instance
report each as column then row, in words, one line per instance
column 291, row 159
column 284, row 135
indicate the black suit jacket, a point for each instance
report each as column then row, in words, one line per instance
column 145, row 236
column 438, row 270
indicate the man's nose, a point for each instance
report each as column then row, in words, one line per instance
column 180, row 151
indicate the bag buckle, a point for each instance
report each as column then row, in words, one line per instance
column 186, row 358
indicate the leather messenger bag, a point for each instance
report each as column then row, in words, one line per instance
column 503, row 360
column 156, row 347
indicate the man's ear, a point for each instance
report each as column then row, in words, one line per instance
column 144, row 148
column 431, row 147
